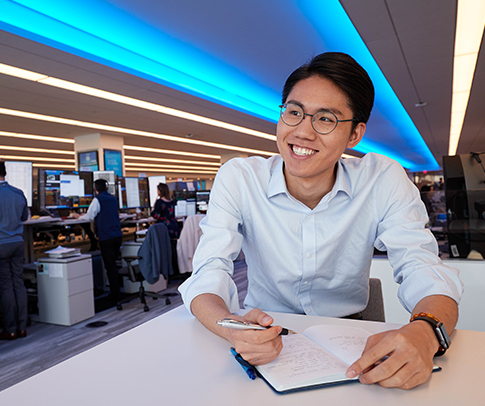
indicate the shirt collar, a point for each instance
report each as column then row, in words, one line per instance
column 342, row 180
column 277, row 183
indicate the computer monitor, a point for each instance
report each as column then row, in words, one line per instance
column 153, row 182
column 65, row 189
column 185, row 202
column 113, row 161
column 19, row 175
column 202, row 198
column 133, row 192
column 108, row 176
column 185, row 208
column 88, row 161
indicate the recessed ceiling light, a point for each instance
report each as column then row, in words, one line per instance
column 91, row 91
column 470, row 22
column 102, row 127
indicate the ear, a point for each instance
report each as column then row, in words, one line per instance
column 356, row 135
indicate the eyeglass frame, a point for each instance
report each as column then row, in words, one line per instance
column 313, row 118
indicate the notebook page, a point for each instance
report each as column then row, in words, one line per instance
column 345, row 342
column 301, row 361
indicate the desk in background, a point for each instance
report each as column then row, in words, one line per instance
column 46, row 222
column 174, row 360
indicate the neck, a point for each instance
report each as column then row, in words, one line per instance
column 310, row 191
column 2, row 178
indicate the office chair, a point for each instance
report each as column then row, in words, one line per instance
column 136, row 273
column 375, row 306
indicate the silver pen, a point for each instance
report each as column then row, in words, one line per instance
column 243, row 325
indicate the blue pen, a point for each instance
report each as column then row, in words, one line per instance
column 246, row 366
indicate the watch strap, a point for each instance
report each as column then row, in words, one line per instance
column 439, row 330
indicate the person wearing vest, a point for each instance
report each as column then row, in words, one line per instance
column 104, row 211
column 13, row 211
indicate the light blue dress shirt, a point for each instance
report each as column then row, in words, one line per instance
column 316, row 261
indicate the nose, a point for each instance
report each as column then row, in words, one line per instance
column 305, row 129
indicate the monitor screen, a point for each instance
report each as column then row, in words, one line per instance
column 88, row 161
column 133, row 192
column 19, row 175
column 113, row 161
column 153, row 182
column 202, row 197
column 65, row 189
column 108, row 176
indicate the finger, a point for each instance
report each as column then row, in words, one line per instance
column 375, row 351
column 257, row 337
column 384, row 370
column 259, row 317
column 261, row 354
column 405, row 378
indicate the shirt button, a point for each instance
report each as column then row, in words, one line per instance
column 308, row 310
column 305, row 283
column 309, row 255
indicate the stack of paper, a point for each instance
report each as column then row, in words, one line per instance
column 62, row 252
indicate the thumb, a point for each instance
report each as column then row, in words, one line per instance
column 259, row 317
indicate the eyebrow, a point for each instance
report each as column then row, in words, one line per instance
column 333, row 110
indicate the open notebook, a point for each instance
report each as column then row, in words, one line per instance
column 318, row 357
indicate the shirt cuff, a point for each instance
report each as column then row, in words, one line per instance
column 216, row 282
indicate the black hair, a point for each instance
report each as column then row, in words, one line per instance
column 346, row 73
column 100, row 185
column 3, row 171
column 164, row 190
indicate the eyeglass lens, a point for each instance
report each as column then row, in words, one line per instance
column 323, row 122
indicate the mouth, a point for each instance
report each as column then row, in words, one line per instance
column 300, row 151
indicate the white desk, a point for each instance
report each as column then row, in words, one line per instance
column 174, row 360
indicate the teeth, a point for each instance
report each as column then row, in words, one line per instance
column 303, row 151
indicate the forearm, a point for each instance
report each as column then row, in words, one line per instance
column 255, row 346
column 442, row 307
column 209, row 308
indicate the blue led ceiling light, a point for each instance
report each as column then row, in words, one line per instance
column 99, row 31
column 340, row 35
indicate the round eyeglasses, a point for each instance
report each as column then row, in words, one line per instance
column 323, row 121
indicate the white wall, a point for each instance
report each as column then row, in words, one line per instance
column 472, row 306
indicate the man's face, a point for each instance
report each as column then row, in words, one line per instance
column 308, row 155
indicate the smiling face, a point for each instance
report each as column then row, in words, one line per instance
column 310, row 157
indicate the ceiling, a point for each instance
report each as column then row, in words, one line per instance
column 412, row 43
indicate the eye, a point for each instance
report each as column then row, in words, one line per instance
column 293, row 110
column 325, row 117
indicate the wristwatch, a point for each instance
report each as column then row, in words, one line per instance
column 439, row 330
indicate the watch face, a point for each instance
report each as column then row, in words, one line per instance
column 445, row 338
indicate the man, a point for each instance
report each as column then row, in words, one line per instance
column 104, row 211
column 13, row 211
column 308, row 222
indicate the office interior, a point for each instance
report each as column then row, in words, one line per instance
column 139, row 90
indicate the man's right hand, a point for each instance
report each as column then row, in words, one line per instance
column 257, row 346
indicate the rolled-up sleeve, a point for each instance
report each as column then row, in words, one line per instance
column 412, row 249
column 219, row 245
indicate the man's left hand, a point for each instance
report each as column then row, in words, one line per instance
column 397, row 358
